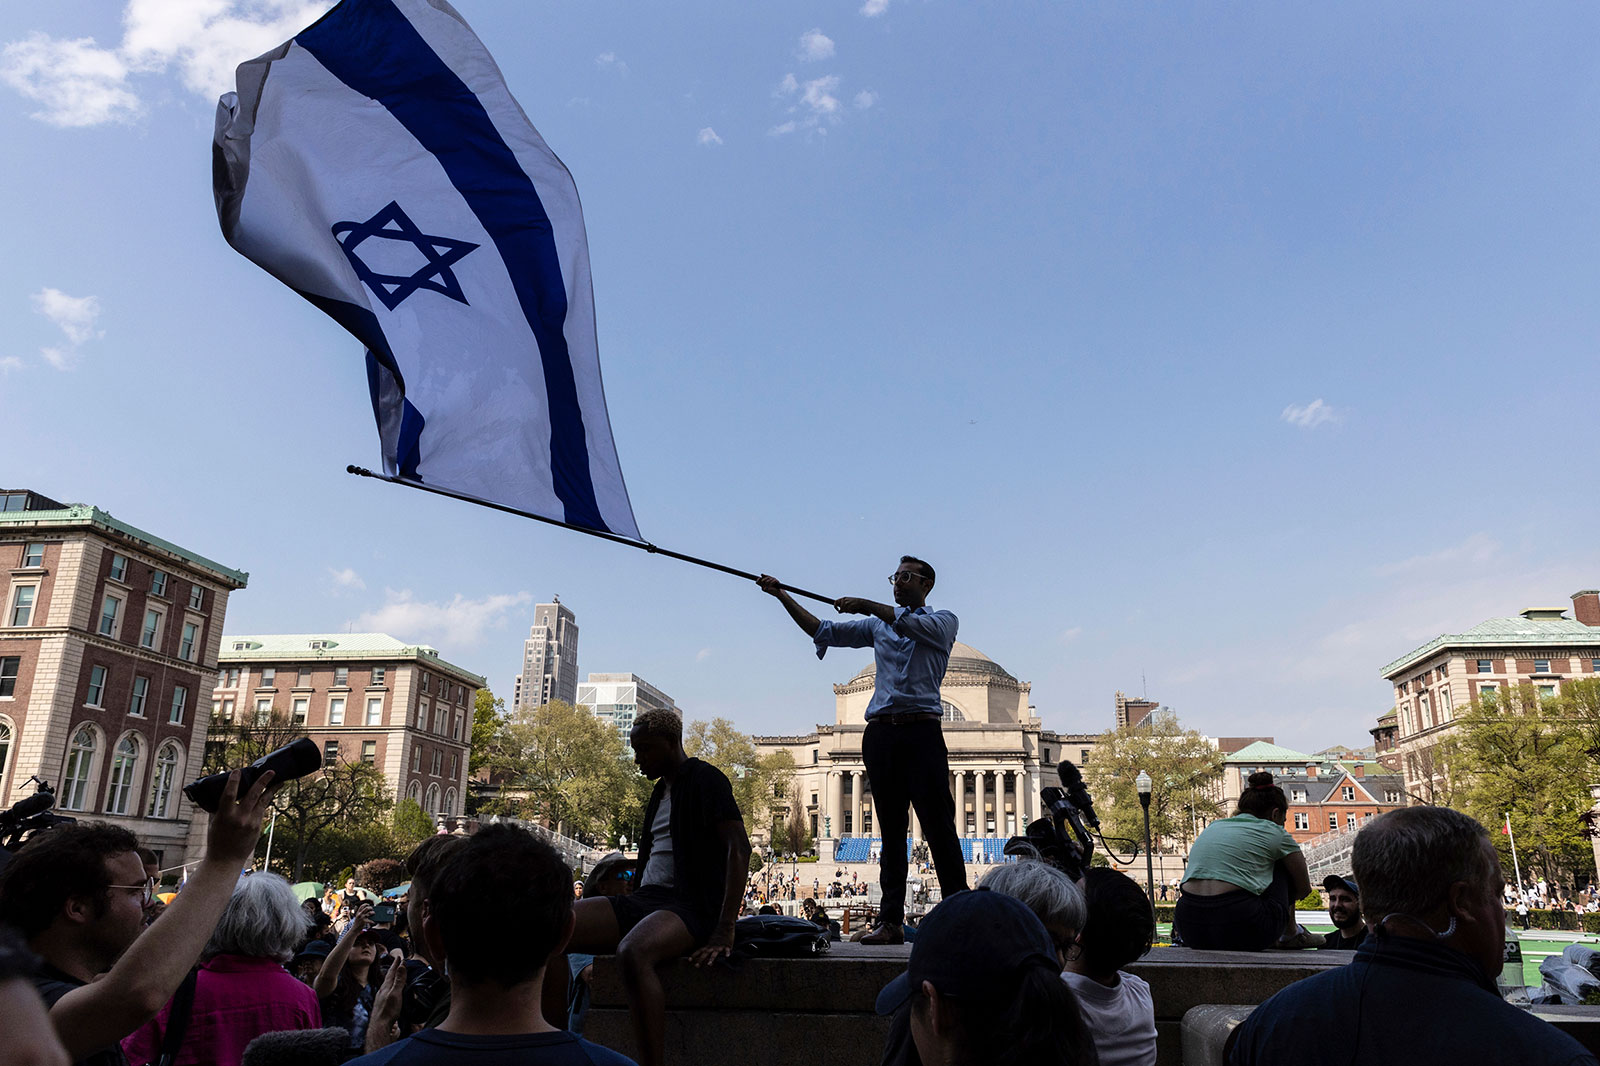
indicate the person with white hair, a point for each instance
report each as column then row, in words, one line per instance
column 241, row 989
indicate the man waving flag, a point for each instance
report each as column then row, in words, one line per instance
column 378, row 165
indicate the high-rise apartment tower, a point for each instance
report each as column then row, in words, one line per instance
column 549, row 657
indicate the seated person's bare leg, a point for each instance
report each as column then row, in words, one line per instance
column 658, row 937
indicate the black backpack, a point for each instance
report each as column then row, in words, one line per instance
column 778, row 936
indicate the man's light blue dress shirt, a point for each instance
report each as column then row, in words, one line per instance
column 911, row 654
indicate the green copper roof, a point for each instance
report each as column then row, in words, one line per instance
column 1505, row 632
column 330, row 647
column 86, row 515
column 1263, row 754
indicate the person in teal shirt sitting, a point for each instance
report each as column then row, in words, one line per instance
column 1243, row 877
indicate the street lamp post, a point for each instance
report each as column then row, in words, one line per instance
column 1142, row 783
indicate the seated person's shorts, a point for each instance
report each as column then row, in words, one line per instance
column 647, row 899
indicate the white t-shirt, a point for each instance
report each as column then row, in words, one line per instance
column 1122, row 1018
column 659, row 870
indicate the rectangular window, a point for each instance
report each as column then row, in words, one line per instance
column 341, row 676
column 186, row 650
column 1349, row 821
column 158, row 582
column 438, row 763
column 1391, row 796
column 455, row 764
column 152, row 628
column 422, row 715
column 1485, row 666
column 1541, row 666
column 233, row 677
column 33, row 555
column 1347, row 793
column 141, row 693
column 1487, row 688
column 457, row 733
column 375, row 711
column 97, row 685
column 336, row 711
column 1333, row 821
column 109, row 609
column 9, row 666
column 1302, row 820
column 197, row 597
column 269, row 676
column 425, row 682
column 263, row 712
column 227, row 710
column 1547, row 691
column 22, row 604
column 330, row 752
column 303, row 680
column 416, row 759
column 369, row 751
column 119, row 567
column 299, row 708
column 1594, row 665
column 1298, row 795
column 378, row 675
column 180, row 702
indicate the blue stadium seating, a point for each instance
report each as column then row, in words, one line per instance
column 859, row 849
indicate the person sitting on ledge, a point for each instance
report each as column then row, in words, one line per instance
column 693, row 860
column 1243, row 878
column 1421, row 987
column 1116, row 1006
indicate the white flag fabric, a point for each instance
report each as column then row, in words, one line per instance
column 378, row 165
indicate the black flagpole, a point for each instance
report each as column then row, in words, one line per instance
column 361, row 471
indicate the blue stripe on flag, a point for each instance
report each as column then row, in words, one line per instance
column 363, row 324
column 371, row 47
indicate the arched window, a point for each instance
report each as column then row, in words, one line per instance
column 432, row 806
column 951, row 714
column 124, row 768
column 450, row 801
column 161, row 781
column 5, row 753
column 80, row 764
column 414, row 790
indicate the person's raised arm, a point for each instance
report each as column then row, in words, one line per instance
column 1299, row 877
column 328, row 976
column 802, row 617
column 96, row 1016
column 721, row 941
column 934, row 628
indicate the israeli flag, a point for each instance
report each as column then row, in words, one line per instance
column 378, row 166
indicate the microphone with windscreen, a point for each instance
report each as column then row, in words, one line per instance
column 295, row 759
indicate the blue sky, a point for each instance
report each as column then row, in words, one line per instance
column 1224, row 352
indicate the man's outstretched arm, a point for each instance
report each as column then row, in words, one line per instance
column 802, row 617
column 738, row 844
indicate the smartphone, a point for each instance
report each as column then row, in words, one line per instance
column 382, row 913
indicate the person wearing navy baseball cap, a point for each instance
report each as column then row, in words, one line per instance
column 984, row 986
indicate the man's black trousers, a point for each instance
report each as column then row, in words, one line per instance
column 909, row 766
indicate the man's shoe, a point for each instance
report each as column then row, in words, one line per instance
column 885, row 934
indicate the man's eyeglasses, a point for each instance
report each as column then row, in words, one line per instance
column 148, row 888
column 903, row 575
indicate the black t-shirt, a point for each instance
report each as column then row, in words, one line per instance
column 1337, row 941
column 52, row 985
column 701, row 798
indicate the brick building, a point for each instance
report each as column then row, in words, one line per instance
column 1541, row 647
column 367, row 696
column 1329, row 791
column 108, row 645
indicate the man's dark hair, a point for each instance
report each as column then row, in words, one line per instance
column 148, row 857
column 54, row 866
column 501, row 904
column 1262, row 797
column 425, row 862
column 1121, row 925
column 922, row 566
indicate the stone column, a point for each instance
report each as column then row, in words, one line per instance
column 961, row 802
column 978, row 800
column 830, row 803
column 1019, row 782
column 855, row 802
column 916, row 827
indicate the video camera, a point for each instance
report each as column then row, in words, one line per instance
column 28, row 816
column 1063, row 839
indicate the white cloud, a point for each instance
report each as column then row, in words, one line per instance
column 814, row 45
column 814, row 105
column 75, row 315
column 346, row 579
column 818, row 95
column 609, row 61
column 83, row 84
column 873, row 8
column 77, row 82
column 781, row 128
column 1476, row 550
column 1314, row 414
column 702, row 655
column 1067, row 636
column 60, row 358
column 865, row 99
column 8, row 363
column 787, row 86
column 708, row 136
column 456, row 623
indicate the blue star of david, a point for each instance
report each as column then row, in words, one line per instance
column 393, row 224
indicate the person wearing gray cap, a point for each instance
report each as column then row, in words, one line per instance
column 1344, row 908
column 984, row 987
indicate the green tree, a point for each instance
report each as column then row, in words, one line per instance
column 1185, row 770
column 410, row 823
column 561, row 764
column 757, row 779
column 1517, row 753
column 488, row 715
column 791, row 829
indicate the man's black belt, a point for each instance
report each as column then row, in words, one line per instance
column 906, row 718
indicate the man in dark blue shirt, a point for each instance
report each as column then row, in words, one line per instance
column 903, row 746
column 1421, row 987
